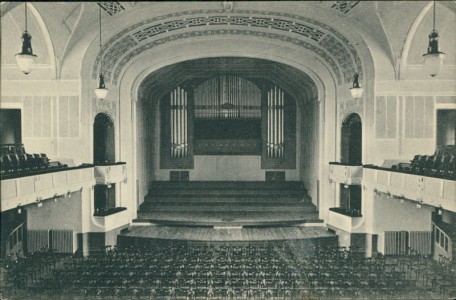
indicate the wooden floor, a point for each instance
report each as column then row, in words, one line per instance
column 225, row 234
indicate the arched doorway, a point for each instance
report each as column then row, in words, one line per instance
column 103, row 139
column 351, row 152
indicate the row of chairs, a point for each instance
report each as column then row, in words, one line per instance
column 12, row 149
column 438, row 165
column 20, row 164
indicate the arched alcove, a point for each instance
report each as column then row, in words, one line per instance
column 351, row 145
column 103, row 139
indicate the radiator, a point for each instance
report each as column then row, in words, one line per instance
column 37, row 239
column 421, row 241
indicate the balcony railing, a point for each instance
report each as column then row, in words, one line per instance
column 110, row 173
column 338, row 218
column 345, row 174
column 428, row 190
column 29, row 189
column 119, row 217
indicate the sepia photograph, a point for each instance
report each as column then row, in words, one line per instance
column 295, row 150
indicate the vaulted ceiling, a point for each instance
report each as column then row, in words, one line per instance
column 58, row 27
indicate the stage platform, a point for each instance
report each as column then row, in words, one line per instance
column 200, row 234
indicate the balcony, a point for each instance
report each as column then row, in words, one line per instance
column 110, row 221
column 110, row 173
column 345, row 174
column 339, row 219
column 29, row 189
column 432, row 191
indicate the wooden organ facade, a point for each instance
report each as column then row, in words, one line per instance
column 228, row 115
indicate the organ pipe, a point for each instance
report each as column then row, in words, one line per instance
column 275, row 123
column 179, row 119
column 227, row 97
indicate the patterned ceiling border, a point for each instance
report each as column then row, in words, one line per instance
column 193, row 34
column 129, row 40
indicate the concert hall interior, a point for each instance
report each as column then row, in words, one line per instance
column 228, row 149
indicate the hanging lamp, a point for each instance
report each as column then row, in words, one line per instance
column 101, row 91
column 25, row 59
column 356, row 91
column 433, row 59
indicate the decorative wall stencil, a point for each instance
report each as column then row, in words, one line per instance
column 312, row 30
column 328, row 59
column 385, row 117
column 104, row 106
column 111, row 57
column 446, row 99
column 341, row 54
column 111, row 7
column 344, row 6
column 271, row 23
column 351, row 106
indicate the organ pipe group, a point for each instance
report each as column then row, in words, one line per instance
column 179, row 117
column 275, row 124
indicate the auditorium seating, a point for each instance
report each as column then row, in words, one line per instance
column 14, row 161
column 157, row 269
column 441, row 164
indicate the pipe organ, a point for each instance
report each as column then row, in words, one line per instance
column 275, row 123
column 227, row 97
column 179, row 117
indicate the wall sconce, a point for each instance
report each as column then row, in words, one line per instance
column 433, row 59
column 19, row 208
column 402, row 200
column 356, row 91
column 388, row 195
column 109, row 185
column 346, row 186
column 419, row 204
column 68, row 194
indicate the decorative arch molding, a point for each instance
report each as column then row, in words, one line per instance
column 334, row 48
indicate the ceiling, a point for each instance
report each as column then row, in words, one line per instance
column 59, row 27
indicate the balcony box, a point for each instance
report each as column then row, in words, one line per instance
column 110, row 173
column 345, row 174
column 338, row 219
column 111, row 221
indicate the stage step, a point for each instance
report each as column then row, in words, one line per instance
column 190, row 234
column 228, row 207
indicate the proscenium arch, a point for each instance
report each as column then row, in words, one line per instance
column 326, row 91
column 151, row 31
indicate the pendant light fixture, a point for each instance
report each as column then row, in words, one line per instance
column 25, row 59
column 101, row 91
column 356, row 91
column 433, row 59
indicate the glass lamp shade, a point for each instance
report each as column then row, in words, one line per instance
column 101, row 91
column 25, row 59
column 433, row 63
column 25, row 62
column 356, row 92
